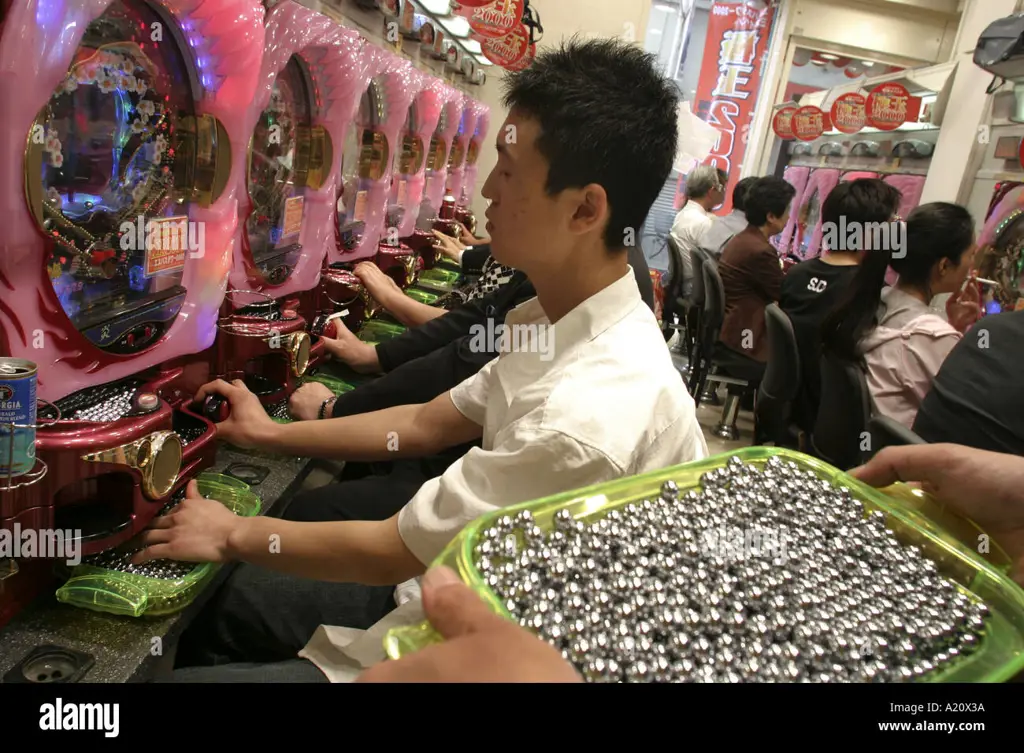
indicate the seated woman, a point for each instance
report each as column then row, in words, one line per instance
column 893, row 332
column 752, row 278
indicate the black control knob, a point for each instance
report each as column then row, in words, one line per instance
column 217, row 408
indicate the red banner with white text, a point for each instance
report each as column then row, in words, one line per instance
column 735, row 52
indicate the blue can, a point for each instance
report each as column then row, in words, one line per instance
column 17, row 417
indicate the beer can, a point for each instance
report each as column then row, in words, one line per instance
column 17, row 417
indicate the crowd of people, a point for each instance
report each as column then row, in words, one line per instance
column 945, row 373
column 482, row 428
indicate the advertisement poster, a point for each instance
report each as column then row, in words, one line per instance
column 808, row 123
column 849, row 114
column 166, row 245
column 887, row 106
column 292, row 216
column 730, row 81
column 782, row 123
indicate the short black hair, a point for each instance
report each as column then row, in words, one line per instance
column 865, row 200
column 607, row 116
column 767, row 195
column 739, row 193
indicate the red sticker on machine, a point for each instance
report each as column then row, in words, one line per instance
column 849, row 113
column 808, row 123
column 509, row 50
column 887, row 106
column 782, row 123
column 494, row 20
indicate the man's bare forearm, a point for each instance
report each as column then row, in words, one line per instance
column 405, row 431
column 367, row 552
column 412, row 313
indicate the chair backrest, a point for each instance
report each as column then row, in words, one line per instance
column 676, row 279
column 888, row 432
column 782, row 373
column 714, row 300
column 781, row 380
column 700, row 258
column 842, row 422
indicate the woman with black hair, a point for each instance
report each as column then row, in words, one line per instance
column 893, row 332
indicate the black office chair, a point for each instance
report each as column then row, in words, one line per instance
column 714, row 361
column 695, row 316
column 780, row 385
column 840, row 429
column 887, row 432
column 674, row 305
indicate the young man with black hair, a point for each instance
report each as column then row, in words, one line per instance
column 588, row 143
column 722, row 229
column 813, row 288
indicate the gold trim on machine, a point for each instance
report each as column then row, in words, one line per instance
column 203, row 174
column 157, row 457
column 321, row 157
column 299, row 345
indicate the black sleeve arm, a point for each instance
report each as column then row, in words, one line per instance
column 473, row 259
column 416, row 381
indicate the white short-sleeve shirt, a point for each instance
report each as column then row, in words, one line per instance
column 592, row 398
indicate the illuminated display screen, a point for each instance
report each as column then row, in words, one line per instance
column 108, row 172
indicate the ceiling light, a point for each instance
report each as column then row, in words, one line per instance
column 818, row 62
column 828, row 56
column 867, row 63
column 483, row 61
column 437, row 7
column 456, row 26
column 471, row 45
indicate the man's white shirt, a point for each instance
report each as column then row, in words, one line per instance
column 688, row 230
column 607, row 404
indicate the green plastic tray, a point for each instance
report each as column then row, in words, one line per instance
column 914, row 517
column 376, row 330
column 427, row 297
column 335, row 384
column 127, row 594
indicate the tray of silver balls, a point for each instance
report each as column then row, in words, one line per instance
column 110, row 582
column 765, row 565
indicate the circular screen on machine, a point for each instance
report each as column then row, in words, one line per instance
column 364, row 161
column 278, row 165
column 107, row 172
column 1003, row 262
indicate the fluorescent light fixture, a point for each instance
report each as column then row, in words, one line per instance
column 457, row 26
column 482, row 60
column 437, row 7
column 867, row 63
column 818, row 62
column 829, row 56
column 471, row 45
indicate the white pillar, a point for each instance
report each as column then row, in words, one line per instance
column 950, row 172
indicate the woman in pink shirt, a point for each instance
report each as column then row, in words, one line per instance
column 892, row 331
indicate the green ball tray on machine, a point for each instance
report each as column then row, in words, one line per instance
column 378, row 330
column 438, row 279
column 915, row 518
column 117, row 592
column 335, row 384
column 428, row 297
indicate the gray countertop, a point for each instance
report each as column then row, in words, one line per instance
column 130, row 649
